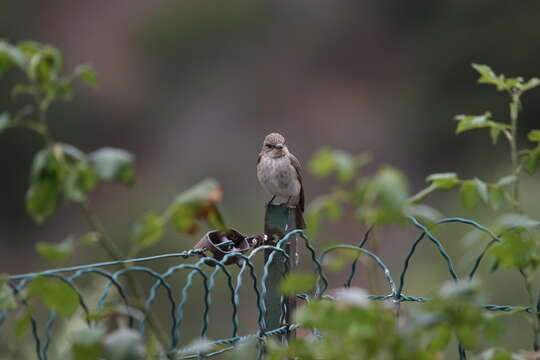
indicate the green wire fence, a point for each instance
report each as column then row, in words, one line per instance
column 259, row 285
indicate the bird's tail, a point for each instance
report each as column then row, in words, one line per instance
column 299, row 215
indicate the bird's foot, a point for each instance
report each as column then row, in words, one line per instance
column 270, row 202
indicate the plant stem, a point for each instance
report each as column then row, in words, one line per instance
column 516, row 169
column 112, row 250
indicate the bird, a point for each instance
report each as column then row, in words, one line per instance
column 278, row 172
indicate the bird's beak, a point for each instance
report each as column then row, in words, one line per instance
column 279, row 146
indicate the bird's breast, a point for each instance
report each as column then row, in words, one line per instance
column 278, row 176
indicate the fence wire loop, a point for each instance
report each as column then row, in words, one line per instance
column 244, row 251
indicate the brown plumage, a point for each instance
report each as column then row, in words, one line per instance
column 278, row 172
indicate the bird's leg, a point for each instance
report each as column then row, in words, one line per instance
column 270, row 202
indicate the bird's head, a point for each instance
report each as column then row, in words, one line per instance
column 274, row 145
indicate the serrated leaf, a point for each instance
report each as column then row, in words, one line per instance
column 297, row 282
column 148, row 230
column 112, row 164
column 482, row 189
column 487, row 76
column 444, row 181
column 56, row 253
column 55, row 294
column 87, row 73
column 469, row 194
column 7, row 299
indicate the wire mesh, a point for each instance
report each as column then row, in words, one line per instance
column 42, row 331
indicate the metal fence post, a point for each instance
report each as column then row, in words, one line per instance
column 279, row 219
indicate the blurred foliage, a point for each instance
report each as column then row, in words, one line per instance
column 353, row 327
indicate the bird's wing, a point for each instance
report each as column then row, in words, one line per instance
column 259, row 158
column 296, row 165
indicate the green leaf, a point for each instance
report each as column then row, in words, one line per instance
column 23, row 322
column 9, row 56
column 512, row 220
column 516, row 250
column 86, row 343
column 494, row 132
column 469, row 122
column 112, row 164
column 469, row 194
column 79, row 180
column 7, row 299
column 534, row 135
column 425, row 212
column 4, row 121
column 496, row 196
column 532, row 83
column 297, row 282
column 482, row 189
column 532, row 160
column 55, row 294
column 323, row 163
column 56, row 253
column 148, row 230
column 41, row 199
column 422, row 194
column 443, row 181
column 506, row 180
column 489, row 77
column 326, row 161
column 441, row 338
column 87, row 73
column 198, row 203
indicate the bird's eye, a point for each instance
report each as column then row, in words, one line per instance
column 269, row 146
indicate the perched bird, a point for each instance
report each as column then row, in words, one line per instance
column 278, row 172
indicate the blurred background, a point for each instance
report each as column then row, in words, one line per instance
column 192, row 87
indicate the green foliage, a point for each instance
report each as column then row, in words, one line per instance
column 297, row 282
column 198, row 203
column 327, row 161
column 86, row 343
column 56, row 253
column 518, row 248
column 7, row 300
column 55, row 294
column 456, row 307
column 353, row 327
column 469, row 122
column 148, row 230
column 112, row 164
